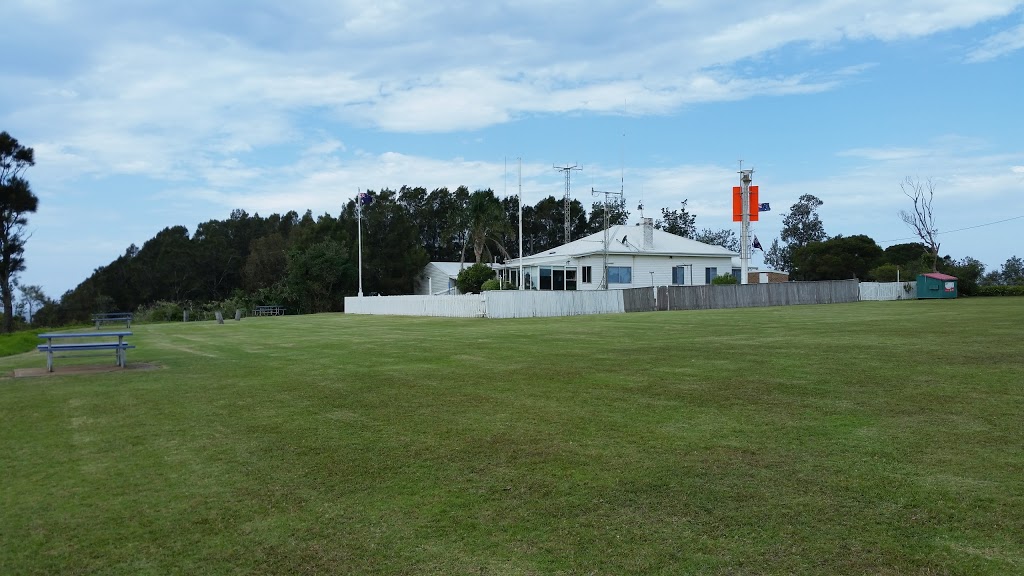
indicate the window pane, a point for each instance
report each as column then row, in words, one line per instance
column 620, row 275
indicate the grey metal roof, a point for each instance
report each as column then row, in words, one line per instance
column 627, row 240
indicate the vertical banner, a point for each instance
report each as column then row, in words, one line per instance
column 737, row 204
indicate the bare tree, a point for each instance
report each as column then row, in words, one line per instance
column 922, row 219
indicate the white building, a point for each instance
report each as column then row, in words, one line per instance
column 635, row 256
column 439, row 278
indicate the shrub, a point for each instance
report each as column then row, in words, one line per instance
column 723, row 280
column 491, row 284
column 160, row 311
column 1000, row 291
column 471, row 279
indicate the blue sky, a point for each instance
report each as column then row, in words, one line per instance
column 148, row 114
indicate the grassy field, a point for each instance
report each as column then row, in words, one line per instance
column 868, row 438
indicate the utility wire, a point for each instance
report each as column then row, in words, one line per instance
column 957, row 230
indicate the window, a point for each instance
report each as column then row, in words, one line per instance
column 570, row 279
column 545, row 278
column 620, row 275
column 709, row 274
column 679, row 275
column 737, row 273
column 587, row 275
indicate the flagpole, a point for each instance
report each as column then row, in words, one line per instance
column 521, row 223
column 359, row 228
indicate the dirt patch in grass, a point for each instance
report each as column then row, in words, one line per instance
column 82, row 369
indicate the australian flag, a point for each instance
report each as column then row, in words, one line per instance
column 365, row 198
column 757, row 244
column 764, row 207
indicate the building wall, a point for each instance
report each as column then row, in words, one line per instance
column 438, row 281
column 643, row 266
column 754, row 277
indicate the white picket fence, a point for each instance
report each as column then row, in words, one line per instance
column 492, row 304
column 533, row 303
column 461, row 306
column 888, row 290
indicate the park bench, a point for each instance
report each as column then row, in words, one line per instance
column 273, row 310
column 113, row 318
column 85, row 342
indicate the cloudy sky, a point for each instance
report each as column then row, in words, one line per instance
column 147, row 114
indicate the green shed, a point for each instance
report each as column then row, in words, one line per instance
column 936, row 285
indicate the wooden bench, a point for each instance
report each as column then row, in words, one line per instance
column 92, row 345
column 114, row 318
column 268, row 311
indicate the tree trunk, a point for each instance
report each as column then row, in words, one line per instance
column 5, row 287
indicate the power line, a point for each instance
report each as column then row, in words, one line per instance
column 958, row 229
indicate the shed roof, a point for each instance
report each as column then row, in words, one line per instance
column 939, row 276
column 452, row 269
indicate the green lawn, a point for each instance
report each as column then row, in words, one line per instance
column 867, row 438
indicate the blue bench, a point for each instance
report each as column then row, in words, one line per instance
column 119, row 348
column 114, row 318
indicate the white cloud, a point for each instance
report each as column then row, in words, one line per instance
column 998, row 45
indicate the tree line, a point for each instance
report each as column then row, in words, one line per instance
column 806, row 252
column 309, row 263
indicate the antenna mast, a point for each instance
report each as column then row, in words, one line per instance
column 604, row 272
column 568, row 200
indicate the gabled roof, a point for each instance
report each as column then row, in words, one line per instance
column 627, row 240
column 452, row 269
column 939, row 276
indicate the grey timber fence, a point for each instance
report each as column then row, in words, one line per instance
column 639, row 299
column 753, row 295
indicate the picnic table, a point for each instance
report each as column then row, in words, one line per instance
column 272, row 310
column 113, row 317
column 85, row 342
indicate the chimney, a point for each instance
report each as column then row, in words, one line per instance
column 648, row 226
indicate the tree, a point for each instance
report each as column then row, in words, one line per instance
column 32, row 299
column 725, row 238
column 617, row 214
column 317, row 274
column 922, row 218
column 778, row 256
column 16, row 200
column 799, row 228
column 486, row 224
column 267, row 262
column 1012, row 273
column 471, row 279
column 837, row 258
column 679, row 222
column 968, row 271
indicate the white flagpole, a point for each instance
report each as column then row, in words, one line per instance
column 359, row 227
column 521, row 287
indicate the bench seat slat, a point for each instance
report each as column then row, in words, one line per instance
column 84, row 346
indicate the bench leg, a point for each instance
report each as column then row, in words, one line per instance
column 49, row 360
